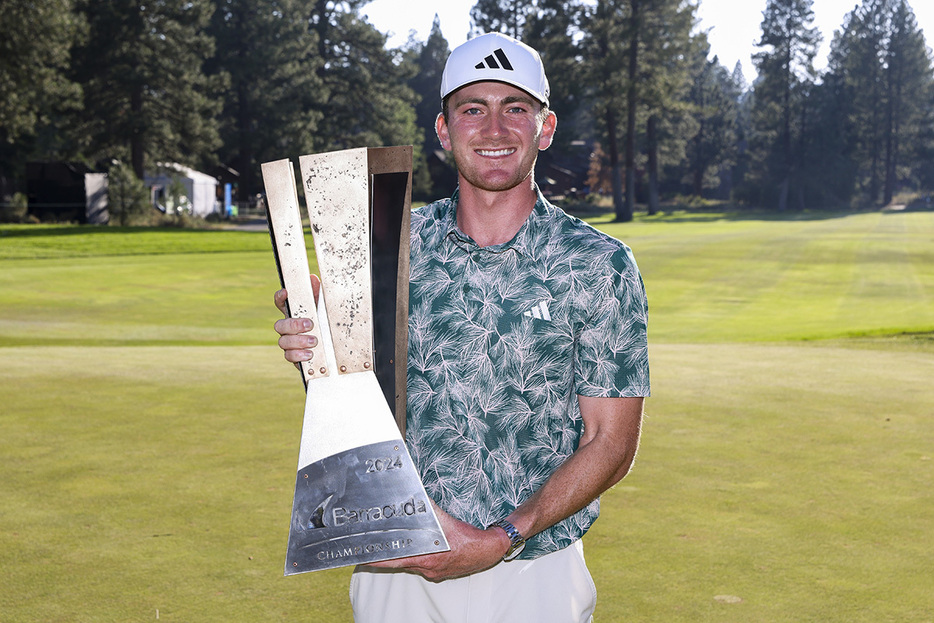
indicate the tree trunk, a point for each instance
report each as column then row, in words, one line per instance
column 874, row 145
column 616, row 174
column 136, row 139
column 888, row 184
column 245, row 119
column 697, row 184
column 800, row 157
column 245, row 158
column 786, row 136
column 891, row 138
column 626, row 214
column 652, row 140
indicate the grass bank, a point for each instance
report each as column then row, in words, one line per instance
column 150, row 428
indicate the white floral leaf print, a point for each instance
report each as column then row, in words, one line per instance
column 501, row 341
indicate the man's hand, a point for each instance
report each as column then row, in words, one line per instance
column 472, row 550
column 604, row 455
column 295, row 345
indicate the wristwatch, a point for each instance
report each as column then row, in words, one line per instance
column 517, row 542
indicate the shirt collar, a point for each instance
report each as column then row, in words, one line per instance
column 523, row 242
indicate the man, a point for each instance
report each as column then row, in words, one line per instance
column 527, row 366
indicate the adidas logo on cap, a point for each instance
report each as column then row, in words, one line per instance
column 499, row 58
column 490, row 62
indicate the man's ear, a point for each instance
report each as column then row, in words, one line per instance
column 549, row 126
column 441, row 129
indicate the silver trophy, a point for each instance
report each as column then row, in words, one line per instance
column 358, row 497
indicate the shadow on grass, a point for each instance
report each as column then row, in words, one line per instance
column 675, row 212
column 702, row 215
column 917, row 341
column 712, row 216
column 28, row 242
column 36, row 231
column 38, row 341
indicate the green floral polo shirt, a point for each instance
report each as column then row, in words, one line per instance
column 501, row 339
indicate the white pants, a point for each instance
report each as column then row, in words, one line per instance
column 556, row 588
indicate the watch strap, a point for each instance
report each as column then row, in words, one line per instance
column 516, row 540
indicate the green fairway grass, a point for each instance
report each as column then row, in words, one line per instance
column 149, row 428
column 715, row 280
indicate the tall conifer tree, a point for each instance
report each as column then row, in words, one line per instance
column 670, row 56
column 605, row 50
column 634, row 52
column 909, row 92
column 786, row 70
column 272, row 100
column 883, row 86
column 146, row 96
column 367, row 101
column 504, row 16
column 35, row 57
column 429, row 59
column 714, row 98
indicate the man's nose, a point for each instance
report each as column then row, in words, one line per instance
column 495, row 125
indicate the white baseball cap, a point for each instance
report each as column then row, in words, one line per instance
column 499, row 58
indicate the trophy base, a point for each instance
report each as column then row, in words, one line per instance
column 360, row 506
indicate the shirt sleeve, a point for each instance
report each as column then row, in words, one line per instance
column 612, row 357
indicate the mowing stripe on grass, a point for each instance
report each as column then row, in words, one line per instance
column 794, row 477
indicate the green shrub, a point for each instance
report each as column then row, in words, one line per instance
column 16, row 211
column 127, row 197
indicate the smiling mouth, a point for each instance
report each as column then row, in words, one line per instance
column 495, row 153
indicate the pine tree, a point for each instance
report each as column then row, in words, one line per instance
column 429, row 58
column 35, row 54
column 272, row 99
column 786, row 71
column 504, row 16
column 744, row 104
column 127, row 197
column 670, row 55
column 829, row 169
column 739, row 80
column 604, row 53
column 633, row 32
column 909, row 89
column 882, row 77
column 861, row 72
column 714, row 98
column 635, row 53
column 366, row 99
column 146, row 96
column 554, row 30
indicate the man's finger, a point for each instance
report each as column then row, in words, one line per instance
column 280, row 298
column 315, row 286
column 414, row 564
column 282, row 295
column 297, row 342
column 293, row 326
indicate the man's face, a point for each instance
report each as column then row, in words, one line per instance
column 495, row 132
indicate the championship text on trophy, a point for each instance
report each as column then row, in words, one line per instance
column 358, row 497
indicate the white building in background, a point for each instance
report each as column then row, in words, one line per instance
column 198, row 190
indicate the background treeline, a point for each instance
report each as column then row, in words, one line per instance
column 645, row 112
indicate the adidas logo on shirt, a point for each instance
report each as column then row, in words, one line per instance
column 496, row 60
column 540, row 312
